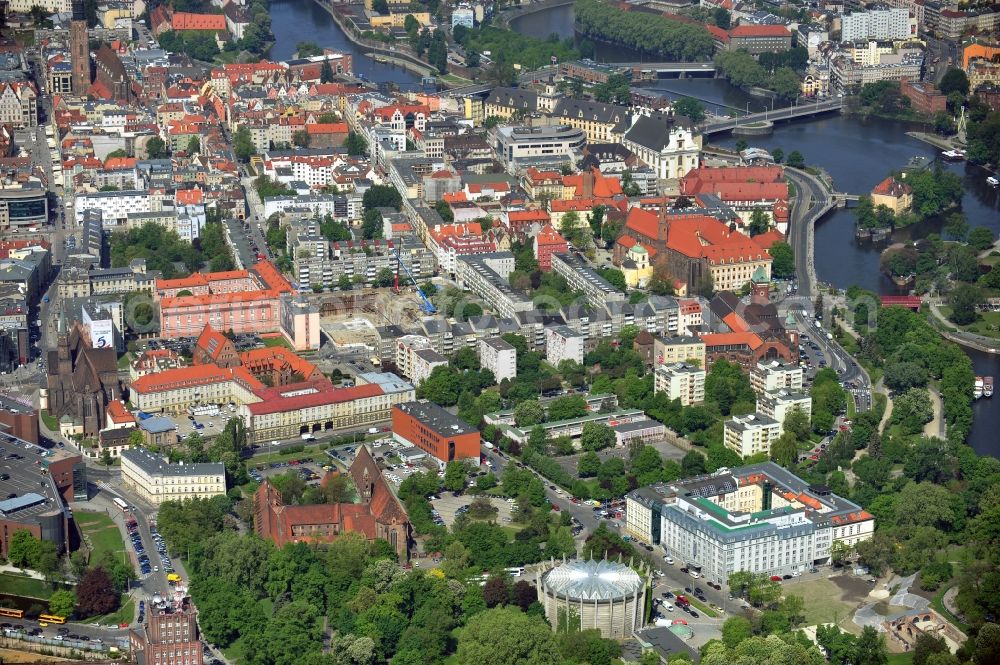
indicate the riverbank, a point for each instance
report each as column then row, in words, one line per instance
column 505, row 18
column 935, row 140
column 970, row 340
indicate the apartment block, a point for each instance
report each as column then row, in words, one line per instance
column 156, row 481
column 777, row 404
column 499, row 357
column 750, row 434
column 562, row 343
column 771, row 375
column 680, row 381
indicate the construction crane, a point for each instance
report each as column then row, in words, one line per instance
column 425, row 304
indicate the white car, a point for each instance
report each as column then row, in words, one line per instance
column 669, row 559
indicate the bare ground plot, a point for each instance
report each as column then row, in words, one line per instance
column 831, row 600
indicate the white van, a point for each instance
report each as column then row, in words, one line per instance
column 695, row 574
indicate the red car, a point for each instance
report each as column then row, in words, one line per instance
column 123, row 625
column 555, row 507
column 775, row 578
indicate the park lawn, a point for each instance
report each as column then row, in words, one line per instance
column 50, row 421
column 900, row 658
column 277, row 340
column 822, row 602
column 937, row 602
column 28, row 587
column 103, row 534
column 698, row 605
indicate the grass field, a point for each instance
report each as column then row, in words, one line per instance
column 900, row 658
column 50, row 421
column 103, row 534
column 16, row 585
column 277, row 340
column 824, row 602
column 987, row 324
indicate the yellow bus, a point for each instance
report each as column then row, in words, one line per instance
column 51, row 618
column 11, row 612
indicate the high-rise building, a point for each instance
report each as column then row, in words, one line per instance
column 79, row 49
column 170, row 634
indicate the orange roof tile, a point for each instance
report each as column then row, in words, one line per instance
column 119, row 414
column 195, row 375
column 277, row 399
column 732, row 339
column 192, row 21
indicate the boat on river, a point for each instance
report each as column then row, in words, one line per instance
column 987, row 386
column 953, row 155
column 978, row 387
column 993, row 180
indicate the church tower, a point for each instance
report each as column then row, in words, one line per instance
column 760, row 287
column 79, row 49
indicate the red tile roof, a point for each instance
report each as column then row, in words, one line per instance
column 549, row 236
column 195, row 375
column 205, row 339
column 760, row 31
column 192, row 21
column 732, row 339
column 274, row 400
column 119, row 414
column 892, row 187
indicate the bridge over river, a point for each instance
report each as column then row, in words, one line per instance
column 719, row 125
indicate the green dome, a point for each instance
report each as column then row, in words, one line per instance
column 760, row 276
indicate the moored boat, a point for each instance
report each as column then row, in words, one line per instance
column 977, row 388
column 987, row 386
column 953, row 155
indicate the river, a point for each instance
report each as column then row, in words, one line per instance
column 857, row 154
column 294, row 21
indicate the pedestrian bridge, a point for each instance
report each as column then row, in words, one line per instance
column 804, row 110
column 680, row 68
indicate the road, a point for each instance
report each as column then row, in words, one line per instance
column 810, row 199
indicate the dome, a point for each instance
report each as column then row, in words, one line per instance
column 638, row 249
column 593, row 580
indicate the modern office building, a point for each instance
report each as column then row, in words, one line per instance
column 759, row 518
column 430, row 428
column 156, row 480
column 888, row 23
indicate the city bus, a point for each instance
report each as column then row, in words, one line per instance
column 11, row 612
column 121, row 504
column 51, row 618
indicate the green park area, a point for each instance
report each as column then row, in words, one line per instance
column 102, row 535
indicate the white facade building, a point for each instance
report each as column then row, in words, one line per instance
column 416, row 358
column 561, row 343
column 750, row 434
column 669, row 146
column 156, row 481
column 758, row 518
column 499, row 357
column 887, row 24
column 114, row 206
column 775, row 375
column 777, row 404
column 680, row 381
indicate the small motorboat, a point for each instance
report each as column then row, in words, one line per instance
column 993, row 181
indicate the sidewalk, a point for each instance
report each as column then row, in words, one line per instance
column 22, row 572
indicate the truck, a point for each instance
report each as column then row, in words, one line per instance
column 308, row 437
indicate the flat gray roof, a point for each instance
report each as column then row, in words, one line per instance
column 156, row 466
column 436, row 418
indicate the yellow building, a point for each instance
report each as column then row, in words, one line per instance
column 394, row 20
column 683, row 349
column 156, row 481
column 636, row 267
column 895, row 195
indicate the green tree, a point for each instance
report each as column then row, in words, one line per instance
column 23, row 549
column 62, row 603
column 736, row 630
column 964, row 301
column 760, row 222
column 596, row 436
column 956, row 226
column 981, row 238
column 870, row 648
column 796, row 160
column 786, row 83
column 326, row 72
column 528, row 413
column 721, row 18
column 954, row 80
column 456, row 474
column 567, row 407
column 308, row 49
column 588, row 465
column 355, row 144
column 507, row 636
column 156, row 148
column 782, row 260
column 194, row 145
column 243, row 145
column 784, row 450
column 691, row 108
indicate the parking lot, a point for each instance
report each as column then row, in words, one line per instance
column 210, row 425
column 447, row 506
column 148, row 564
